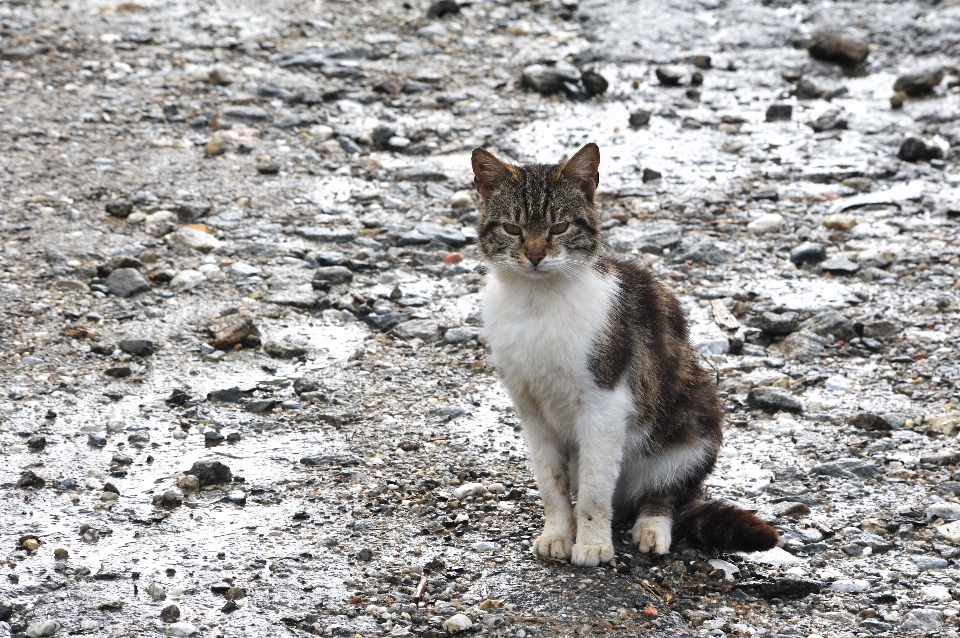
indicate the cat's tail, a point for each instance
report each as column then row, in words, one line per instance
column 725, row 527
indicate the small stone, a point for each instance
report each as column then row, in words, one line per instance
column 485, row 546
column 283, row 349
column 950, row 531
column 365, row 554
column 221, row 76
column 917, row 84
column 235, row 593
column 196, row 239
column 923, row 621
column 45, row 628
column 833, row 46
column 650, row 175
column 846, row 468
column 462, row 199
column 808, row 253
column 914, row 149
column 778, row 324
column 875, row 258
column 944, row 510
column 461, row 335
column 126, row 282
column 807, row 90
column 30, row 544
column 268, row 167
column 191, row 211
column 870, row 422
column 594, row 83
column 830, row 120
column 181, row 629
column 769, row 223
column 773, row 400
column 548, row 79
column 791, row 508
column 37, row 443
column 457, row 623
column 898, row 99
column 170, row 613
column 640, row 118
column 441, row 8
column 117, row 372
column 118, row 208
column 186, row 280
column 227, row 395
column 189, row 483
column 230, row 607
column 469, row 489
column 61, row 554
column 171, row 499
column 96, row 440
column 779, row 112
column 137, row 347
column 232, row 330
column 426, row 330
column 839, row 265
column 669, row 76
column 237, row 497
column 326, row 277
column 839, row 221
column 849, row 585
column 157, row 592
column 935, row 593
column 210, row 472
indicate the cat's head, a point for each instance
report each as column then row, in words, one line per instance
column 538, row 219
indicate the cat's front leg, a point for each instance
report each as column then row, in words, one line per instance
column 600, row 452
column 550, row 471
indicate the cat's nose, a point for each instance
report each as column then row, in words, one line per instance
column 536, row 257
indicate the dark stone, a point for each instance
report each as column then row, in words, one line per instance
column 6, row 610
column 170, row 613
column 306, row 384
column 382, row 133
column 191, row 211
column 212, row 437
column 703, row 251
column 702, row 61
column 110, row 487
column 230, row 607
column 283, row 350
column 365, row 554
column 870, row 422
column 243, row 114
column 778, row 324
column 846, row 468
column 28, row 478
column 773, row 400
column 96, row 440
column 262, row 406
column 547, row 79
column 126, row 282
column 650, row 175
column 807, row 90
column 839, row 265
column 296, row 120
column 441, row 8
column 770, row 194
column 387, row 321
column 229, row 395
column 782, row 588
column 210, row 473
column 177, row 398
column 348, row 145
column 419, row 174
column 326, row 277
column 330, row 235
column 914, row 149
column 594, row 83
column 779, row 112
column 828, row 121
column 640, row 118
column 669, row 76
column 916, row 84
column 119, row 208
column 138, row 439
column 301, row 516
column 330, row 460
column 831, row 323
column 37, row 443
column 808, row 253
column 833, row 46
column 268, row 168
column 137, row 347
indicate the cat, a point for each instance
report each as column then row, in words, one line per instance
column 594, row 352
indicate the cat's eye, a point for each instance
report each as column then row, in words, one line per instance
column 560, row 228
column 512, row 229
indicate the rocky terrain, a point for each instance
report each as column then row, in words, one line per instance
column 243, row 383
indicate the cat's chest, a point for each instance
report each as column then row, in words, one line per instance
column 540, row 332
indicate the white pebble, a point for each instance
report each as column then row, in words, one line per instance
column 469, row 489
column 45, row 628
column 459, row 622
column 181, row 629
column 849, row 585
column 769, row 223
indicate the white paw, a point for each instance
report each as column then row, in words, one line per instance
column 552, row 546
column 591, row 555
column 653, row 534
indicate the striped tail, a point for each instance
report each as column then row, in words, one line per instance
column 725, row 527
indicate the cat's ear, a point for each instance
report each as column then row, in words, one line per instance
column 489, row 172
column 581, row 169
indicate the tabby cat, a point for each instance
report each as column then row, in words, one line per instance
column 595, row 355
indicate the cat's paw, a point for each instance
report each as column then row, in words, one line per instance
column 653, row 534
column 552, row 546
column 591, row 555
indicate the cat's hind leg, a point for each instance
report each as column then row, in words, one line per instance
column 653, row 531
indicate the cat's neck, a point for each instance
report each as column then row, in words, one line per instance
column 555, row 281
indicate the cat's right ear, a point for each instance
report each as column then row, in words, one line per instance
column 489, row 172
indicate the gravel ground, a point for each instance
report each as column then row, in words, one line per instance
column 244, row 386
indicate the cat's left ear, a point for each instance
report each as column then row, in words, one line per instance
column 581, row 169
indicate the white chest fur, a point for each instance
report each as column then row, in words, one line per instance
column 542, row 332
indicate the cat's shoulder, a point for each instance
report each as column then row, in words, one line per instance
column 630, row 272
